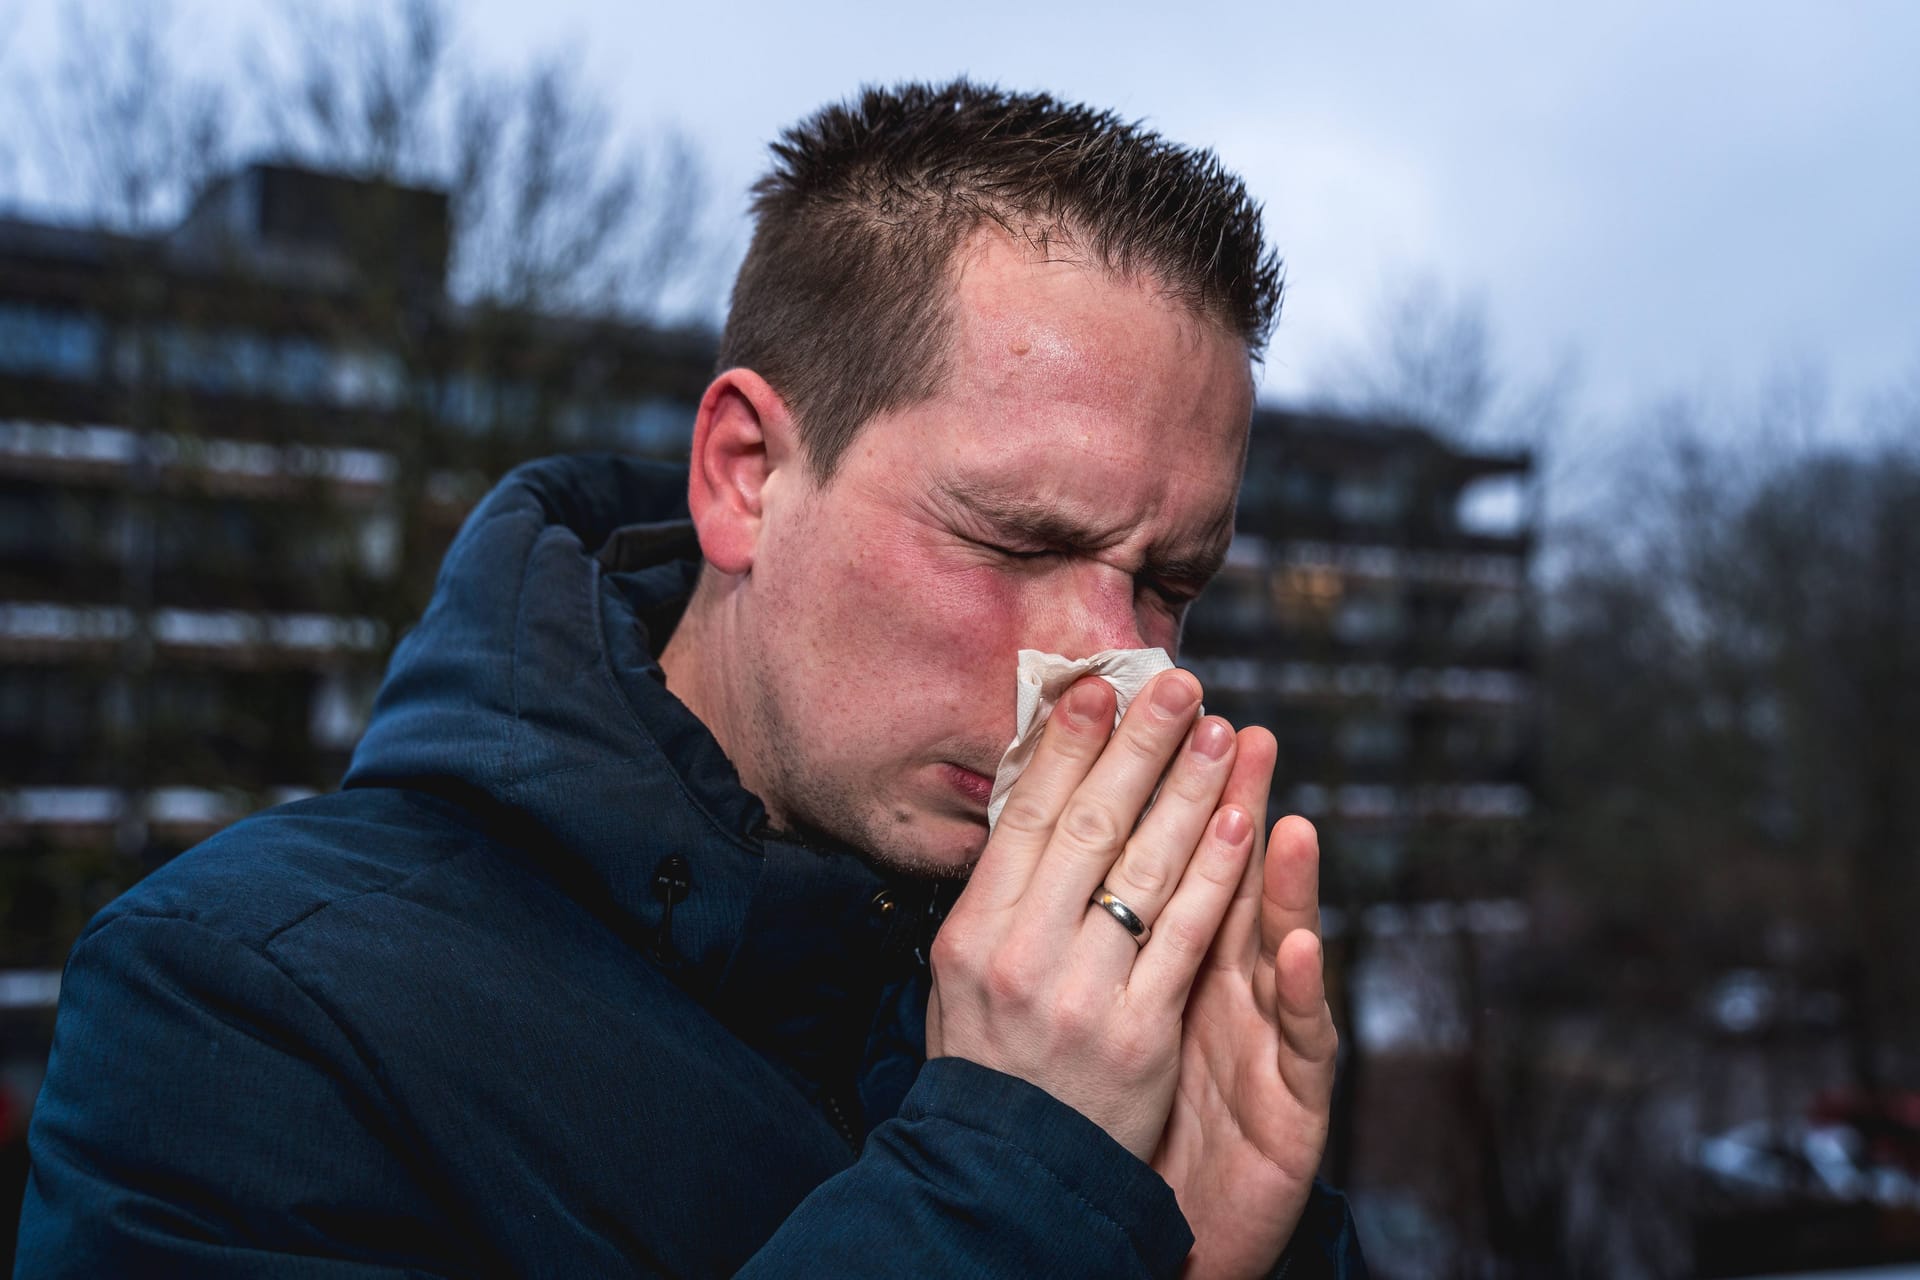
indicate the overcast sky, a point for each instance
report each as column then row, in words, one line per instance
column 1679, row 197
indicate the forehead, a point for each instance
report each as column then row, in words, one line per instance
column 1071, row 386
column 1019, row 311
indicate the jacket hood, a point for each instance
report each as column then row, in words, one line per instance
column 529, row 691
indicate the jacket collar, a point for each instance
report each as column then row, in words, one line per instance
column 530, row 688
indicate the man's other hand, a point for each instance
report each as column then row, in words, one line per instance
column 1249, row 1120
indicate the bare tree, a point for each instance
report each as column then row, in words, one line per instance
column 553, row 208
column 122, row 127
column 1730, row 675
column 1430, row 358
column 1731, row 635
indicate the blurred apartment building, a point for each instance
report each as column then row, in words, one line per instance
column 1375, row 614
column 230, row 457
column 231, row 454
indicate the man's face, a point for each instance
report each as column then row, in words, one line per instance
column 1069, row 489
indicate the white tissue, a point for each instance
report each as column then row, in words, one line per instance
column 1042, row 679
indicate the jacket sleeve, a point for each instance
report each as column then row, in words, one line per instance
column 1325, row 1244
column 982, row 1174
column 202, row 1117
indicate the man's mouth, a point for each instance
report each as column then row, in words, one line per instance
column 976, row 787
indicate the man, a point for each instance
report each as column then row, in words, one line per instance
column 611, row 956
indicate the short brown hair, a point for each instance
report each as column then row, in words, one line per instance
column 841, row 302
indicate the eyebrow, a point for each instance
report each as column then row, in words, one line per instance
column 1048, row 526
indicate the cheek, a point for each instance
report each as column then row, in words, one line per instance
column 949, row 629
column 932, row 597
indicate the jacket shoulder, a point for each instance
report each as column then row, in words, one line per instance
column 269, row 872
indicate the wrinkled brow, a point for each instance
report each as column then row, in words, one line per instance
column 1048, row 526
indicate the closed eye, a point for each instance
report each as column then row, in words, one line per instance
column 1175, row 597
column 1173, row 594
column 1018, row 553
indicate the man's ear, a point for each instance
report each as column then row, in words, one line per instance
column 741, row 437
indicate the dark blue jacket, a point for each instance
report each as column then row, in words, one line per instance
column 538, row 993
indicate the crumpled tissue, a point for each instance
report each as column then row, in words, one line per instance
column 1042, row 679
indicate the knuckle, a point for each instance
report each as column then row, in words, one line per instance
column 1320, row 1046
column 1091, row 825
column 1025, row 814
column 950, row 954
column 1140, row 1045
column 1145, row 746
column 1008, row 977
column 962, row 947
column 1184, row 936
column 1140, row 874
column 1135, row 1056
column 1073, row 1017
column 1196, row 780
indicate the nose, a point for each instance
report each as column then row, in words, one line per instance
column 1089, row 607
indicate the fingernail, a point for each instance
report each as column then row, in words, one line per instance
column 1232, row 826
column 1174, row 695
column 1084, row 704
column 1211, row 739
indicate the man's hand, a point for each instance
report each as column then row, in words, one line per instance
column 1031, row 980
column 1249, row 1119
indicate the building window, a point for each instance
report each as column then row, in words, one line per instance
column 1364, row 739
column 1368, row 500
column 1493, row 506
column 54, row 710
column 658, row 425
column 478, row 404
column 1306, row 597
column 1368, row 617
column 1305, row 491
column 49, row 341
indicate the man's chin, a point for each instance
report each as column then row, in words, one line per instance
column 925, row 843
column 936, row 845
column 945, row 856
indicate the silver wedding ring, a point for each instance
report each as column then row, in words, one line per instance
column 1129, row 919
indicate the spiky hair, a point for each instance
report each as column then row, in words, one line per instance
column 841, row 302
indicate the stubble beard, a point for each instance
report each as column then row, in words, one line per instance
column 816, row 807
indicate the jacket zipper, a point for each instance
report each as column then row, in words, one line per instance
column 838, row 1116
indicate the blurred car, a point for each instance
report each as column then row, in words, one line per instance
column 1826, row 1161
column 1840, row 1187
column 1850, row 1146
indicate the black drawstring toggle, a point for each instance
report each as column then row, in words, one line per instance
column 672, row 881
